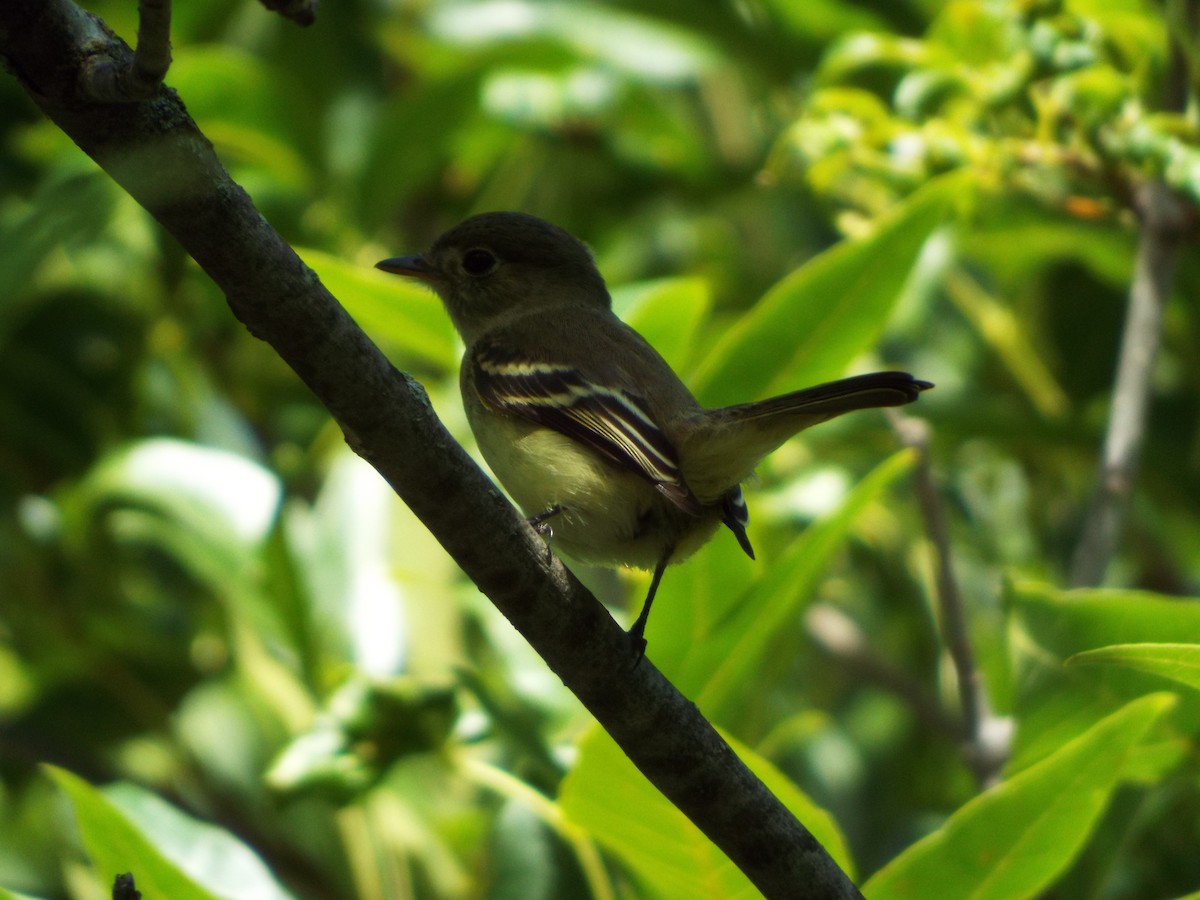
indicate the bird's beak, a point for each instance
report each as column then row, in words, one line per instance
column 411, row 266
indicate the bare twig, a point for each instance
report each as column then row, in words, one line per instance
column 1163, row 215
column 1165, row 218
column 987, row 746
column 132, row 79
column 157, row 154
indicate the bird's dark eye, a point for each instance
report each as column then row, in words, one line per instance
column 478, row 262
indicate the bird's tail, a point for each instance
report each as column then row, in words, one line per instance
column 726, row 444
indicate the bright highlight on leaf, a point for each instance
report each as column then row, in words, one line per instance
column 116, row 846
column 169, row 854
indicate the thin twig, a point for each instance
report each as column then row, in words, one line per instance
column 110, row 80
column 1165, row 218
column 987, row 745
column 1157, row 255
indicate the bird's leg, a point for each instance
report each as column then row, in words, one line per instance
column 638, row 629
column 540, row 522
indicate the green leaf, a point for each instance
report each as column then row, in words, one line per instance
column 814, row 322
column 116, row 846
column 425, row 123
column 208, row 510
column 245, row 108
column 1180, row 662
column 70, row 210
column 723, row 661
column 634, row 45
column 668, row 313
column 855, row 52
column 396, row 312
column 204, row 852
column 605, row 795
column 1069, row 622
column 522, row 861
column 1049, row 625
column 1000, row 326
column 224, row 498
column 1016, row 838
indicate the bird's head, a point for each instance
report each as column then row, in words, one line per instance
column 499, row 265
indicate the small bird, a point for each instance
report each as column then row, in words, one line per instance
column 584, row 423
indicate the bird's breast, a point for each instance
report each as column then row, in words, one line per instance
column 610, row 515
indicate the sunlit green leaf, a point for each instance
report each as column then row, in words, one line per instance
column 1179, row 662
column 244, row 108
column 670, row 856
column 206, row 853
column 237, row 496
column 397, row 312
column 71, row 208
column 667, row 313
column 1049, row 626
column 722, row 662
column 1016, row 838
column 823, row 20
column 1071, row 621
column 810, row 326
column 636, row 44
column 855, row 52
column 115, row 845
column 1001, row 328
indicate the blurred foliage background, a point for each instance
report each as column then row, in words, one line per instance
column 232, row 663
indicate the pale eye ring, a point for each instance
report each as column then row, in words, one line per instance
column 478, row 262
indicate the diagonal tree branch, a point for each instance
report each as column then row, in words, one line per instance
column 154, row 150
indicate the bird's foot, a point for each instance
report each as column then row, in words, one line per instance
column 541, row 522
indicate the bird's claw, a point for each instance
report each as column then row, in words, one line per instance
column 637, row 647
column 541, row 525
column 541, row 522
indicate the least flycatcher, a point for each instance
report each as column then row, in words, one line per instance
column 583, row 422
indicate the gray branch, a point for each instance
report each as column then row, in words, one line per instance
column 156, row 153
column 1165, row 218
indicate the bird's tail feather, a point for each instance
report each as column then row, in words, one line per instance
column 727, row 443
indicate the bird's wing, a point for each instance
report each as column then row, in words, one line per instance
column 614, row 422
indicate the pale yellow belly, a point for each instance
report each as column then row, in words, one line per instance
column 610, row 516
